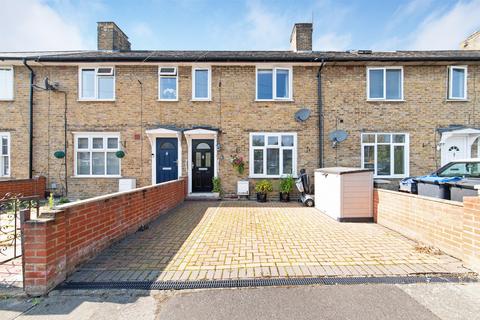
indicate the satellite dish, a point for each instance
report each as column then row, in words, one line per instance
column 302, row 115
column 337, row 136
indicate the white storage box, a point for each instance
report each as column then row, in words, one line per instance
column 126, row 184
column 345, row 194
column 243, row 189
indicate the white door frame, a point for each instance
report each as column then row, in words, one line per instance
column 152, row 135
column 200, row 134
column 469, row 134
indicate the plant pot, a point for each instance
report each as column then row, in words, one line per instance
column 284, row 196
column 261, row 197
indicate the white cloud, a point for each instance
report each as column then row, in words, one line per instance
column 406, row 11
column 34, row 25
column 266, row 29
column 333, row 42
column 445, row 30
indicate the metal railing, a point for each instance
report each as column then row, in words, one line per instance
column 14, row 209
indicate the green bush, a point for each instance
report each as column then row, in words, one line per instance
column 286, row 184
column 263, row 186
column 216, row 185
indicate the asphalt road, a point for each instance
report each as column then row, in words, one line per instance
column 419, row 301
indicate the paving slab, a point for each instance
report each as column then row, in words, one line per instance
column 236, row 240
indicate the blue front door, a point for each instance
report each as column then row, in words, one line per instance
column 167, row 159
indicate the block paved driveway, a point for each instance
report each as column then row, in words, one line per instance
column 232, row 240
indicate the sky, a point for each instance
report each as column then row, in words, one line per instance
column 239, row 24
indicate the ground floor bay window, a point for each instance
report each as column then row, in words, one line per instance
column 95, row 154
column 273, row 155
column 386, row 153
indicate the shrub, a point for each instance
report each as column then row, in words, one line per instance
column 216, row 185
column 286, row 184
column 263, row 186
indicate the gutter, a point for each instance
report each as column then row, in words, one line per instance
column 30, row 125
column 320, row 114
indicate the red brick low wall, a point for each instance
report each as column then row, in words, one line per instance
column 25, row 187
column 59, row 241
column 453, row 227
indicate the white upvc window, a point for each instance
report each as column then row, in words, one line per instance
column 273, row 84
column 273, row 155
column 96, row 83
column 386, row 153
column 95, row 154
column 457, row 82
column 6, row 83
column 167, row 84
column 385, row 83
column 4, row 154
column 201, row 84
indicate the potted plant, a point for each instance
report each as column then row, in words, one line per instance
column 237, row 163
column 216, row 186
column 286, row 186
column 262, row 188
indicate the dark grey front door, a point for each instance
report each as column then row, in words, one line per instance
column 167, row 159
column 202, row 165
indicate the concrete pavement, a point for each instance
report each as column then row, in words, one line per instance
column 417, row 301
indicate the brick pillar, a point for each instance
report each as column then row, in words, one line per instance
column 44, row 254
column 471, row 232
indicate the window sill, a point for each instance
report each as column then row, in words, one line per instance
column 271, row 177
column 457, row 100
column 95, row 100
column 201, row 100
column 385, row 100
column 95, row 177
column 7, row 100
column 167, row 100
column 274, row 100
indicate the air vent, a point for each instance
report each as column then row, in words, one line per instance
column 167, row 71
column 105, row 71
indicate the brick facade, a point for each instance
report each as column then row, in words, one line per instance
column 24, row 187
column 57, row 243
column 234, row 111
column 447, row 225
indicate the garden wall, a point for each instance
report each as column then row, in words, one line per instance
column 450, row 226
column 25, row 187
column 57, row 242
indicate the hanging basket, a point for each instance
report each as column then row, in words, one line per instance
column 120, row 154
column 60, row 154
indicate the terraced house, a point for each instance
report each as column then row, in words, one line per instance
column 93, row 120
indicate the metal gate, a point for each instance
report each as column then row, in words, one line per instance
column 14, row 209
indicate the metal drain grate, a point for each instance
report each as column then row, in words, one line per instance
column 211, row 284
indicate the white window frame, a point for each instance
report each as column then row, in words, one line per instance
column 209, row 98
column 12, row 85
column 392, row 144
column 9, row 153
column 160, row 76
column 384, row 98
column 450, row 83
column 294, row 149
column 80, row 84
column 274, row 82
column 90, row 136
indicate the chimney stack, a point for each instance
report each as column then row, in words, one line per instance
column 110, row 37
column 301, row 37
column 472, row 42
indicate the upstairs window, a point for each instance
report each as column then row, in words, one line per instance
column 386, row 154
column 97, row 83
column 4, row 154
column 273, row 154
column 95, row 154
column 201, row 84
column 385, row 83
column 274, row 84
column 6, row 83
column 457, row 83
column 167, row 84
